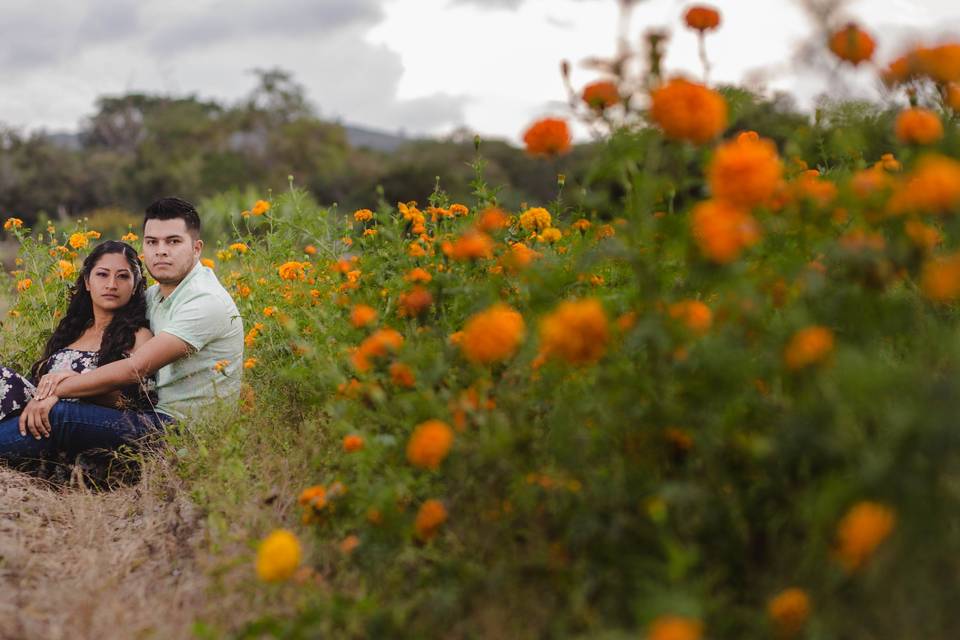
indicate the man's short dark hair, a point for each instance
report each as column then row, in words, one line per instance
column 170, row 208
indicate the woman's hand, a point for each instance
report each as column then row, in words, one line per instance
column 35, row 417
column 48, row 383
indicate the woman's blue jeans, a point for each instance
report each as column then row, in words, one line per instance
column 78, row 427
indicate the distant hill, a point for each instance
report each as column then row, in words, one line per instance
column 357, row 137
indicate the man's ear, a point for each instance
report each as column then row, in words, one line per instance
column 197, row 247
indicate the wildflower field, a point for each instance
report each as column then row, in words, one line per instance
column 708, row 391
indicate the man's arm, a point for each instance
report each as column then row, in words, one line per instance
column 158, row 351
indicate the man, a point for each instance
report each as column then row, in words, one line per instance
column 196, row 351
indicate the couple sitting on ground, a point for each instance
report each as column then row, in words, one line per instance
column 148, row 356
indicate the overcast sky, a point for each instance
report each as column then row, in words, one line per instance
column 421, row 66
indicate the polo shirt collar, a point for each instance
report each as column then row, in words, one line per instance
column 190, row 276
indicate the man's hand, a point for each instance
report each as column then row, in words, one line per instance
column 48, row 383
column 35, row 417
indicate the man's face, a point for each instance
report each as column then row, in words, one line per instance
column 169, row 250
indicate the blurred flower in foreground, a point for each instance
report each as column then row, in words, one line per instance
column 918, row 126
column 864, row 527
column 852, row 44
column 430, row 516
column 789, row 611
column 675, row 628
column 808, row 346
column 688, row 111
column 278, row 556
column 547, row 137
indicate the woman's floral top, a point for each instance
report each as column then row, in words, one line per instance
column 16, row 390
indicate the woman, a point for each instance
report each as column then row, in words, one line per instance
column 105, row 321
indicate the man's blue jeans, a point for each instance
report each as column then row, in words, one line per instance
column 78, row 427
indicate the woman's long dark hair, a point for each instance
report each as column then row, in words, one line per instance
column 120, row 334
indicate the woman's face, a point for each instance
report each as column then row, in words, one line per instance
column 111, row 282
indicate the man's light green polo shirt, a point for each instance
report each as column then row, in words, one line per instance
column 201, row 313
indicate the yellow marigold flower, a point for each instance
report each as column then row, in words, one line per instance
column 550, row 235
column 535, row 219
column 362, row 215
column 675, row 628
column 260, row 207
column 66, row 269
column 430, row 516
column 78, row 240
column 492, row 335
column 723, row 231
column 940, row 278
column 576, row 331
column 918, row 126
column 864, row 527
column 95, row 235
column 789, row 611
column 429, row 444
column 130, row 237
column 694, row 314
column 352, row 443
column 808, row 346
column 207, row 262
column 745, row 172
column 278, row 556
column 12, row 223
column 361, row 315
column 459, row 209
column 292, row 270
column 23, row 285
column 239, row 247
column 688, row 111
column 250, row 363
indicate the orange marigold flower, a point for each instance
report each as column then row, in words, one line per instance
column 581, row 225
column 78, row 240
column 605, row 231
column 789, row 611
column 66, row 269
column 23, row 285
column 898, row 71
column 352, row 443
column 702, row 18
column 430, row 516
column 313, row 497
column 918, row 126
column 418, row 274
column 924, row 237
column 492, row 335
column 940, row 278
column 415, row 250
column 694, row 314
column 808, row 346
column 429, row 444
column 601, row 95
column 292, row 270
column 675, row 628
column 12, row 223
column 129, row 237
column 889, row 163
column 401, row 375
column 250, row 363
column 535, row 219
column 376, row 345
column 369, row 233
column 547, row 137
column 260, row 207
column 940, row 63
column 745, row 172
column 472, row 245
column 861, row 530
column 458, row 209
column 852, row 44
column 414, row 302
column 239, row 247
column 362, row 215
column 809, row 186
column 361, row 315
column 310, row 250
column 932, row 187
column 688, row 111
column 576, row 331
column 492, row 220
column 953, row 96
column 868, row 181
column 723, row 231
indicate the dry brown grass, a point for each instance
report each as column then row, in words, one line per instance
column 118, row 564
